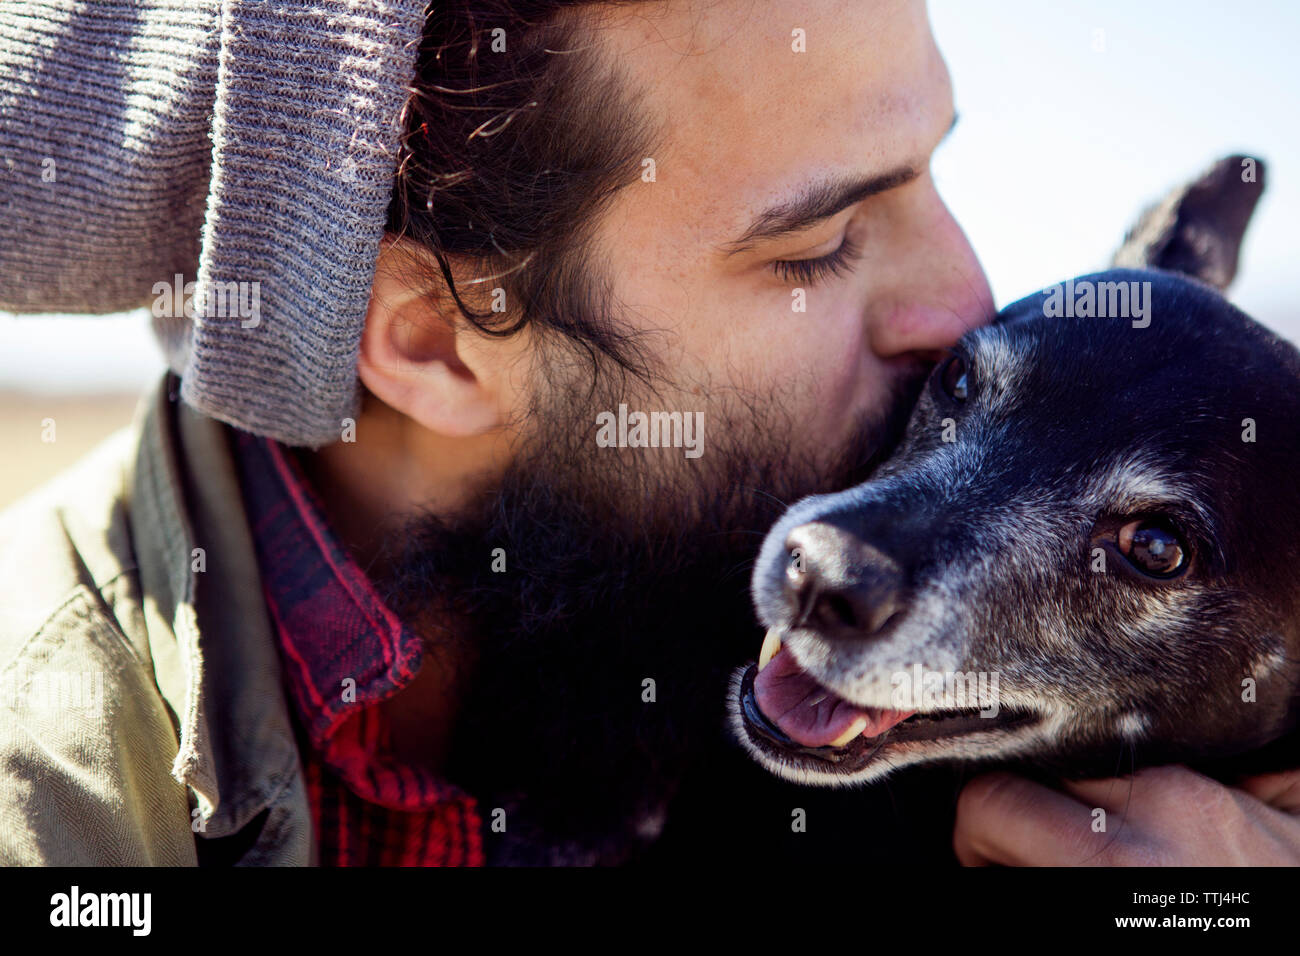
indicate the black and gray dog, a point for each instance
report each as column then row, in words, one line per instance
column 1085, row 552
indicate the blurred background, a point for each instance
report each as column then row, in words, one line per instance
column 1074, row 116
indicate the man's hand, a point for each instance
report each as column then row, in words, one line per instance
column 1162, row 816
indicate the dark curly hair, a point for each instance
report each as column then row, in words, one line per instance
column 508, row 156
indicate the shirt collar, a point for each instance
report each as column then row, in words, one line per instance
column 344, row 649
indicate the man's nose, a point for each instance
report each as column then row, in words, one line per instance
column 839, row 585
column 938, row 289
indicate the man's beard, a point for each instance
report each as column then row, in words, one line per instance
column 601, row 653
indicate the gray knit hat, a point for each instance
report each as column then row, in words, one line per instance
column 249, row 147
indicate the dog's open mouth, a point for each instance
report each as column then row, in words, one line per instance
column 787, row 712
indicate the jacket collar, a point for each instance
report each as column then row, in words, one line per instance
column 210, row 637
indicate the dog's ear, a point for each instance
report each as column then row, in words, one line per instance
column 1197, row 229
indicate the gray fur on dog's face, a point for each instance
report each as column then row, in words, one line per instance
column 1071, row 429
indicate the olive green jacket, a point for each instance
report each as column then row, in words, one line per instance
column 131, row 613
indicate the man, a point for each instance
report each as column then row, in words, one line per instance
column 491, row 621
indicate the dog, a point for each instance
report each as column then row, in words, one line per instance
column 1084, row 555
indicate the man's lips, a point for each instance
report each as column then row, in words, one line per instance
column 805, row 711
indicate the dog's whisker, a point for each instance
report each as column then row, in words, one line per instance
column 765, row 494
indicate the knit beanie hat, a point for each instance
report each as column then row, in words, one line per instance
column 246, row 146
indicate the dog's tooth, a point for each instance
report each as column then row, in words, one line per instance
column 771, row 645
column 854, row 730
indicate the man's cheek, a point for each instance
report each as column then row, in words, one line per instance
column 840, row 374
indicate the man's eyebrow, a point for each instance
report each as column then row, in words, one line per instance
column 819, row 201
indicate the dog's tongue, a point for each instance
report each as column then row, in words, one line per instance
column 807, row 712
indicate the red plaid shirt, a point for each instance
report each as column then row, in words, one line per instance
column 344, row 652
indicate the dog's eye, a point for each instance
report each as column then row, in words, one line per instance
column 1153, row 546
column 953, row 378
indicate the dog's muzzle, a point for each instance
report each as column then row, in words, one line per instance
column 839, row 585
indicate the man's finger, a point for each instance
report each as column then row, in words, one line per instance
column 1279, row 790
column 1002, row 818
column 1110, row 793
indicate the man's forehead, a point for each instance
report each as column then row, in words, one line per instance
column 750, row 123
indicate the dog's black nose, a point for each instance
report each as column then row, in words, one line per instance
column 838, row 584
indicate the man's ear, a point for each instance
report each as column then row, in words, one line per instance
column 418, row 354
column 1197, row 229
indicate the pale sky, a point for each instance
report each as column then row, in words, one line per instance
column 1060, row 145
column 1065, row 134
